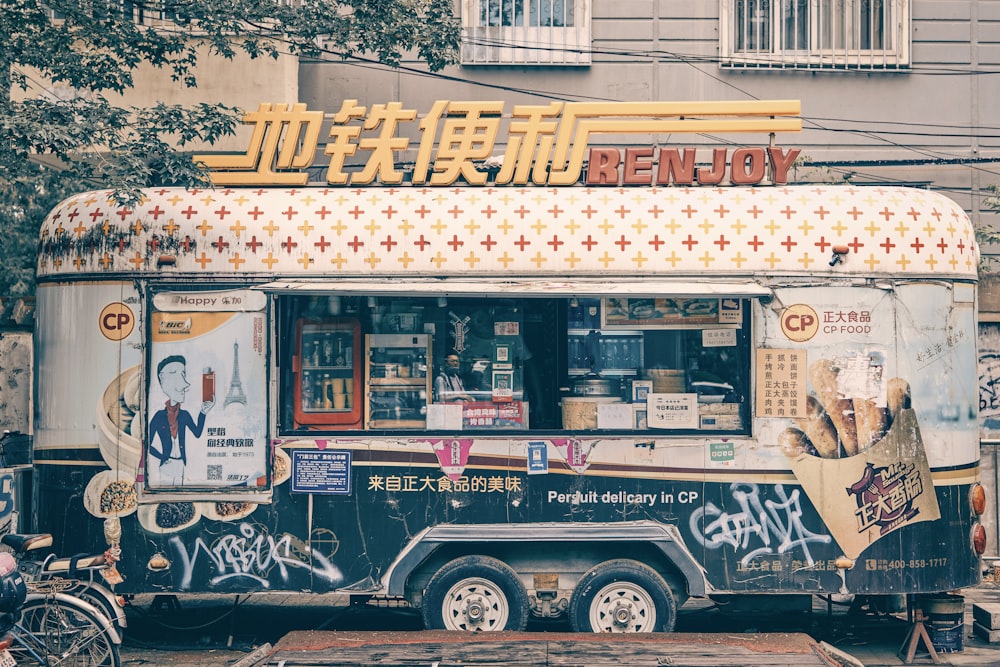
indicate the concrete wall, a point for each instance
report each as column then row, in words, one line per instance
column 15, row 380
column 988, row 474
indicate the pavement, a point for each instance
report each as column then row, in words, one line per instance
column 219, row 631
column 878, row 641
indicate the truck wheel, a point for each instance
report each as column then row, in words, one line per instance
column 622, row 596
column 475, row 593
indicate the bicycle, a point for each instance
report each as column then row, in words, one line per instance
column 51, row 627
column 80, row 570
column 59, row 630
column 13, row 592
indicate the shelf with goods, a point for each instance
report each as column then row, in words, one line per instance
column 617, row 353
column 397, row 381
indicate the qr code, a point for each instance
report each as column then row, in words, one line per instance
column 215, row 472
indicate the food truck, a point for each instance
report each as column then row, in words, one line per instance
column 497, row 403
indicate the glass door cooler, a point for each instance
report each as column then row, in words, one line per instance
column 327, row 372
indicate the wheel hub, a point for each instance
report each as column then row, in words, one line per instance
column 621, row 615
column 475, row 610
column 622, row 606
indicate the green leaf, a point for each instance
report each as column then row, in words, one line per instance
column 89, row 49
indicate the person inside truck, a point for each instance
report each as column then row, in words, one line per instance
column 448, row 385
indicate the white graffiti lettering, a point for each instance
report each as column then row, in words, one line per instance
column 252, row 555
column 776, row 525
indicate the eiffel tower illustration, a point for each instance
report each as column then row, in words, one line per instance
column 235, row 394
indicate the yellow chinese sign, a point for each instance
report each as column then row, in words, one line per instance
column 546, row 144
column 781, row 383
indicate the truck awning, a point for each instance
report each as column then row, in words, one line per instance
column 468, row 287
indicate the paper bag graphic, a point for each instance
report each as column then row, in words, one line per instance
column 867, row 496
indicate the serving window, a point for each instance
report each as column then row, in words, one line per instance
column 387, row 363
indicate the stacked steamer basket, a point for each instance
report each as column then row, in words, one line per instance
column 667, row 380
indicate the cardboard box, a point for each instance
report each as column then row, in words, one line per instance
column 718, row 408
column 721, row 422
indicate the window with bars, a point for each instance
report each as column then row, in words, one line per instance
column 849, row 34
column 145, row 12
column 526, row 32
column 548, row 14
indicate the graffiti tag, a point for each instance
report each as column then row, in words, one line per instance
column 989, row 381
column 253, row 556
column 762, row 526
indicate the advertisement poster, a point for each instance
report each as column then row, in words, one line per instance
column 886, row 401
column 508, row 415
column 207, row 393
column 672, row 410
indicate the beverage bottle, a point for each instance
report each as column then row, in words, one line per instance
column 349, row 352
column 340, row 360
column 307, row 390
column 327, row 398
column 328, row 350
column 207, row 385
column 319, row 389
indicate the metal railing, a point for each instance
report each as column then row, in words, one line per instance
column 815, row 34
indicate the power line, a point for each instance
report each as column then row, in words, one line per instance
column 876, row 130
column 931, row 155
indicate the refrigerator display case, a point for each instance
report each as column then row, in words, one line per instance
column 397, row 381
column 593, row 350
column 327, row 372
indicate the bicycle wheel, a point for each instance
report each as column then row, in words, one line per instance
column 25, row 648
column 104, row 600
column 70, row 632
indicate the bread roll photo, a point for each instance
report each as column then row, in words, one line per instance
column 823, row 375
column 794, row 442
column 820, row 430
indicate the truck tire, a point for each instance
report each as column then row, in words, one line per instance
column 622, row 596
column 477, row 594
